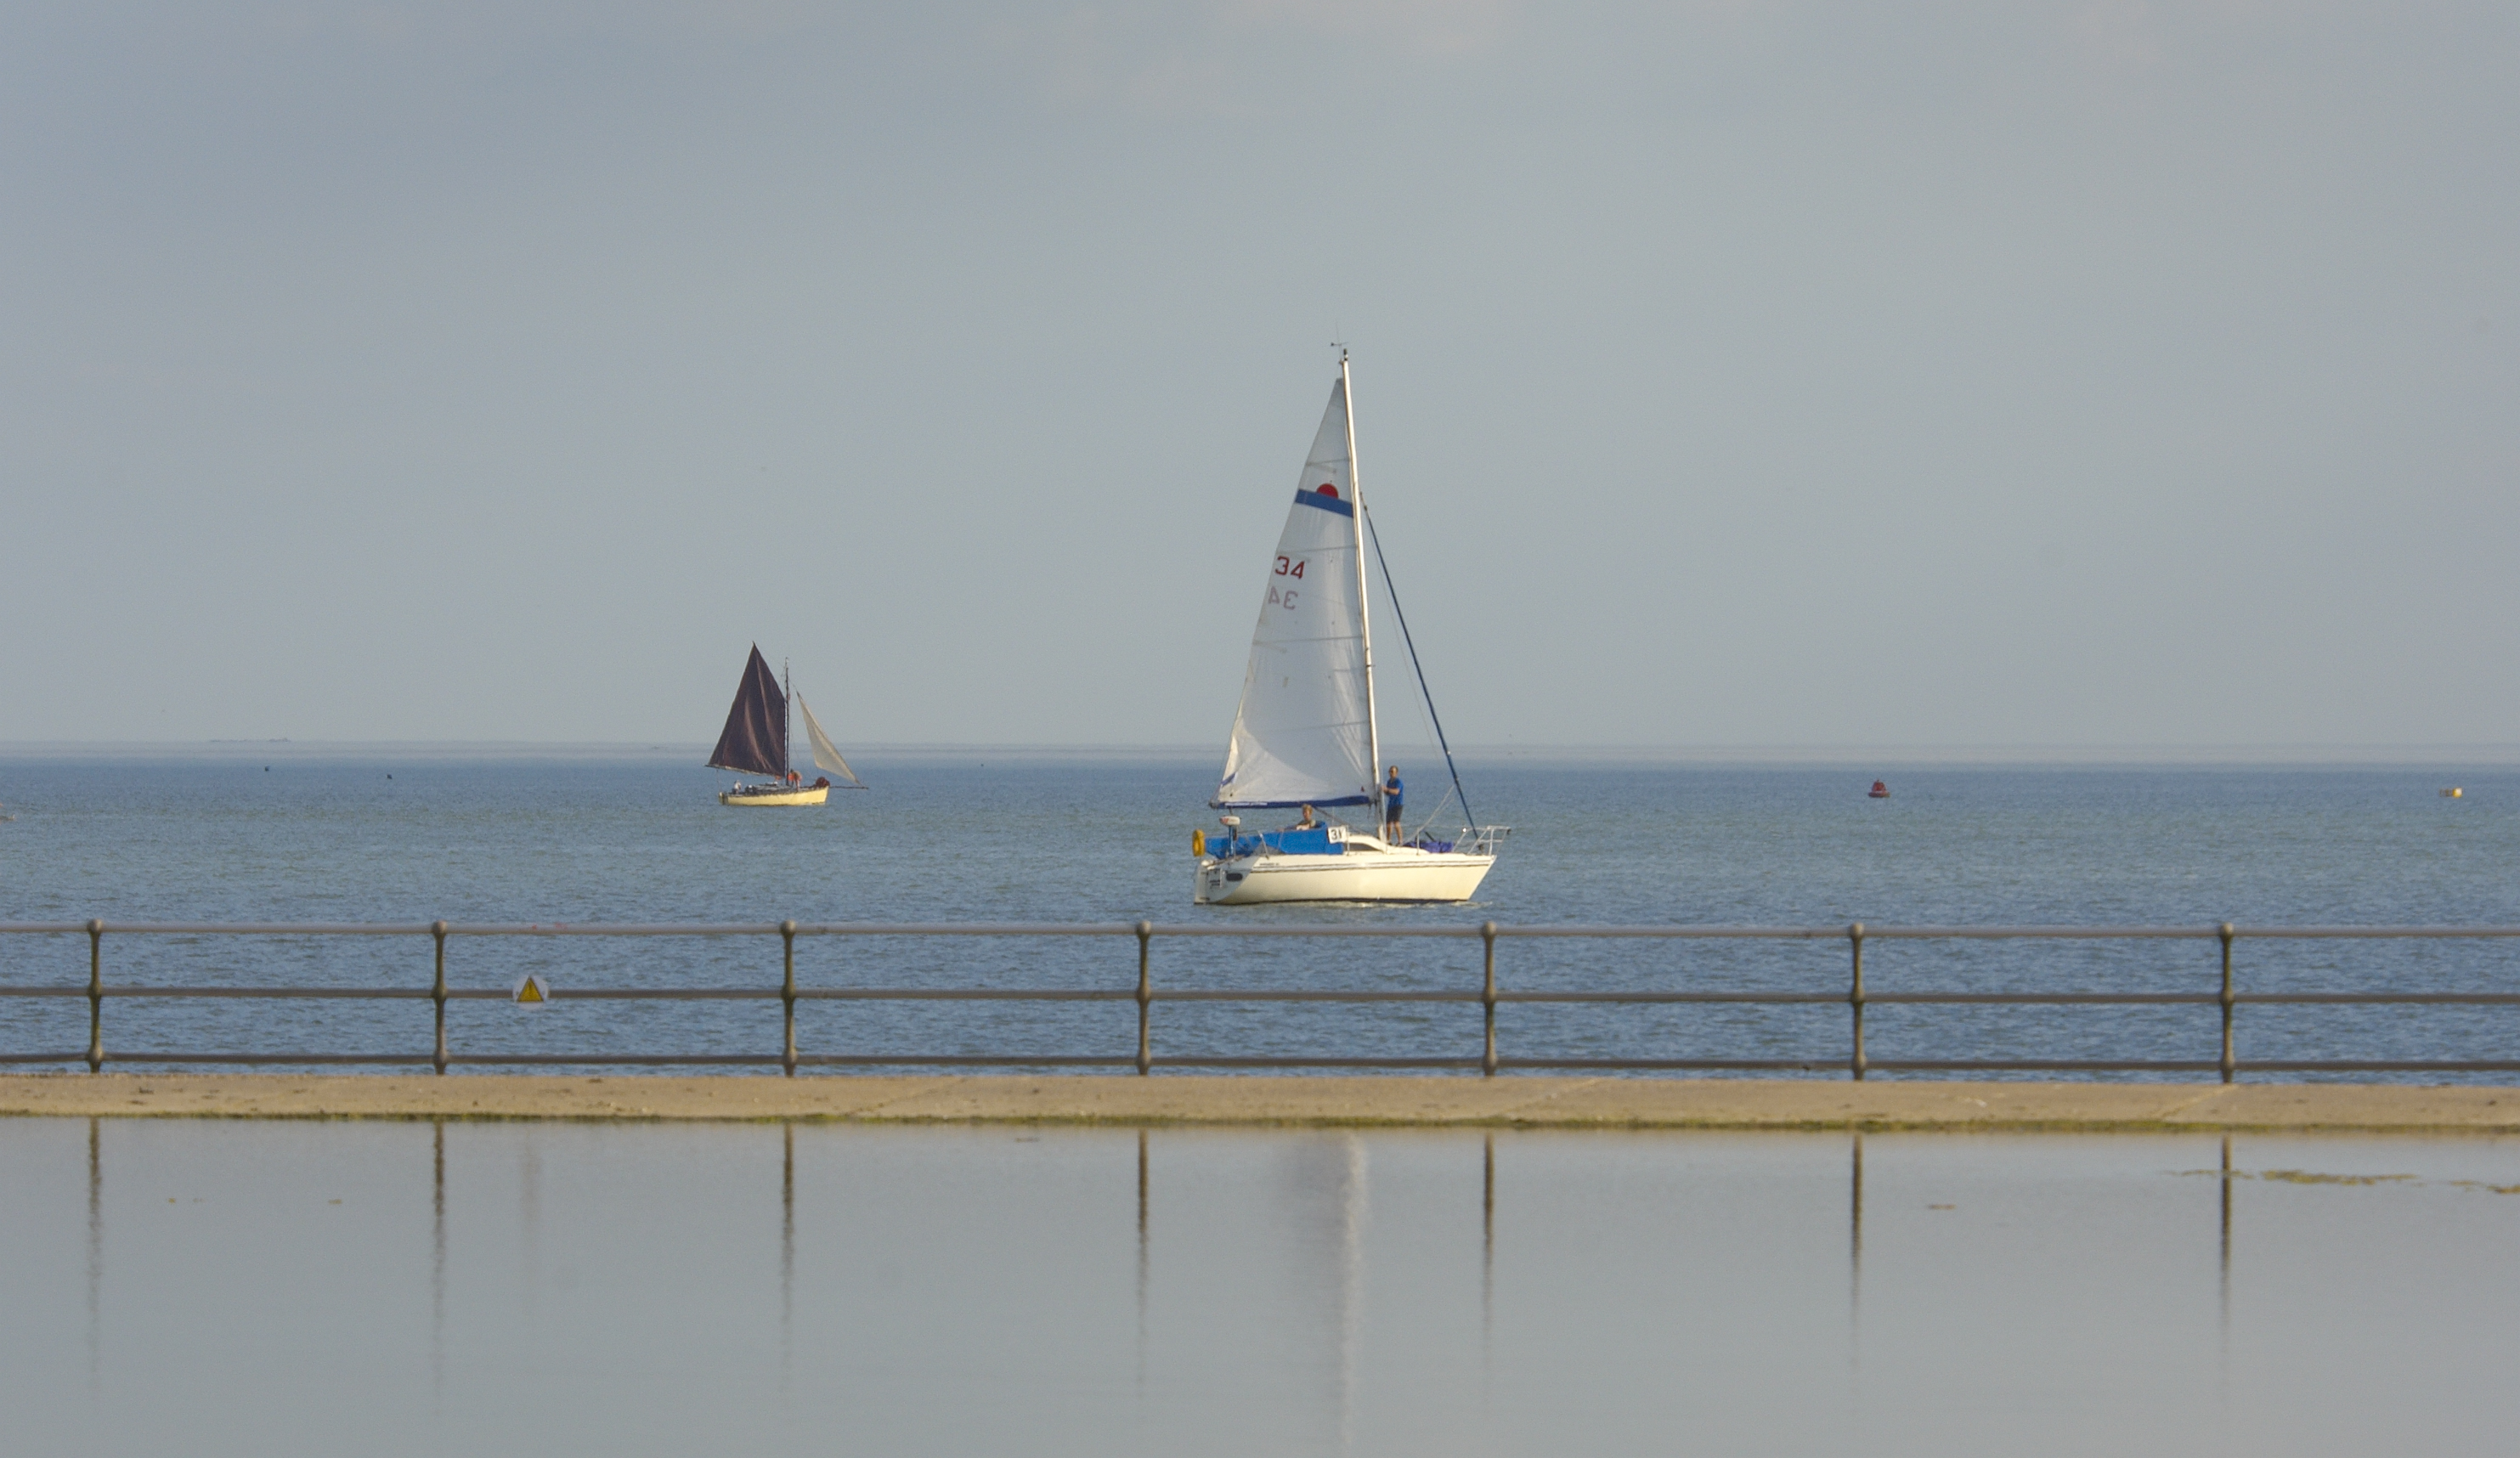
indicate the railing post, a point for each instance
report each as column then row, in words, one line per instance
column 1146, row 1003
column 96, row 995
column 2229, row 1064
column 1855, row 1062
column 1487, row 1000
column 437, row 995
column 788, row 994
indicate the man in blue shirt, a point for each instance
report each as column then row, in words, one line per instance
column 1391, row 808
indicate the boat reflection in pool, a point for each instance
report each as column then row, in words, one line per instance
column 284, row 1286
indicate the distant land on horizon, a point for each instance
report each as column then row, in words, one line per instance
column 1817, row 755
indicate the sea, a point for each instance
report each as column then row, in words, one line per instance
column 264, row 833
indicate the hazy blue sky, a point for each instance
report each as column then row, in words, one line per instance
column 1728, row 373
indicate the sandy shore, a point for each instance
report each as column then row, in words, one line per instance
column 1509, row 1102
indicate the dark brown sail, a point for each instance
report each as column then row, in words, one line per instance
column 755, row 740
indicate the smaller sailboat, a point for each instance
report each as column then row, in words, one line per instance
column 755, row 743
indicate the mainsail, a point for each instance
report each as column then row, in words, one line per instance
column 755, row 740
column 826, row 755
column 1303, row 734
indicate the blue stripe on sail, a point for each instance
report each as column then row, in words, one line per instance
column 1287, row 804
column 1325, row 503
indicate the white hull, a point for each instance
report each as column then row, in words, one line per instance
column 1368, row 872
column 811, row 795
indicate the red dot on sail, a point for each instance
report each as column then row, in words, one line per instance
column 1327, row 489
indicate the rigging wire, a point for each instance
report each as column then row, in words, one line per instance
column 1412, row 643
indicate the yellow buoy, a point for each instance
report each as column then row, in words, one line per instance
column 2453, row 792
column 1199, row 842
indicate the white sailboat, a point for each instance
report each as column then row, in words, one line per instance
column 1307, row 735
column 755, row 742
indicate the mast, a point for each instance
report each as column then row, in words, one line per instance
column 1365, row 630
column 787, row 686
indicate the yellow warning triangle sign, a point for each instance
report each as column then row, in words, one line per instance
column 530, row 990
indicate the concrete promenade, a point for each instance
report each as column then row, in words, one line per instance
column 1528, row 1103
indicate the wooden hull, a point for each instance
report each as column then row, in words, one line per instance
column 810, row 795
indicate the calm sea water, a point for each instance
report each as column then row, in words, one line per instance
column 287, row 833
column 289, row 1287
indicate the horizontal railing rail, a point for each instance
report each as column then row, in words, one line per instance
column 1488, row 995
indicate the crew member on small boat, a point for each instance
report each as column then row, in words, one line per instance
column 1391, row 808
column 1306, row 822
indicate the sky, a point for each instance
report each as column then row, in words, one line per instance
column 1727, row 374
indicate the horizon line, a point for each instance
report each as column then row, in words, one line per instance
column 2164, row 753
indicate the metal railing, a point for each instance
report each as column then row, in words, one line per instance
column 1488, row 995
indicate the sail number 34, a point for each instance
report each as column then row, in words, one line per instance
column 1285, row 597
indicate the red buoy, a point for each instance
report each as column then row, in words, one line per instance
column 1878, row 790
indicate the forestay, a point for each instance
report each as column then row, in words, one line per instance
column 1302, row 734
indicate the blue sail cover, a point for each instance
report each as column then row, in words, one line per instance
column 1313, row 842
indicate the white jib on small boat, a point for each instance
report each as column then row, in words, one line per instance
column 1307, row 734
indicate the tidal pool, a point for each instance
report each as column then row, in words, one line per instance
column 285, row 1287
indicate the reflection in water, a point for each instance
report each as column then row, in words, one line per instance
column 2226, row 1284
column 1855, row 1227
column 1321, row 1209
column 1142, row 1257
column 95, row 1241
column 959, row 1288
column 2223, row 1277
column 438, row 1256
column 787, row 1225
column 1487, row 1241
column 1855, row 1256
column 1487, row 1271
column 1354, row 1211
column 787, row 1251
